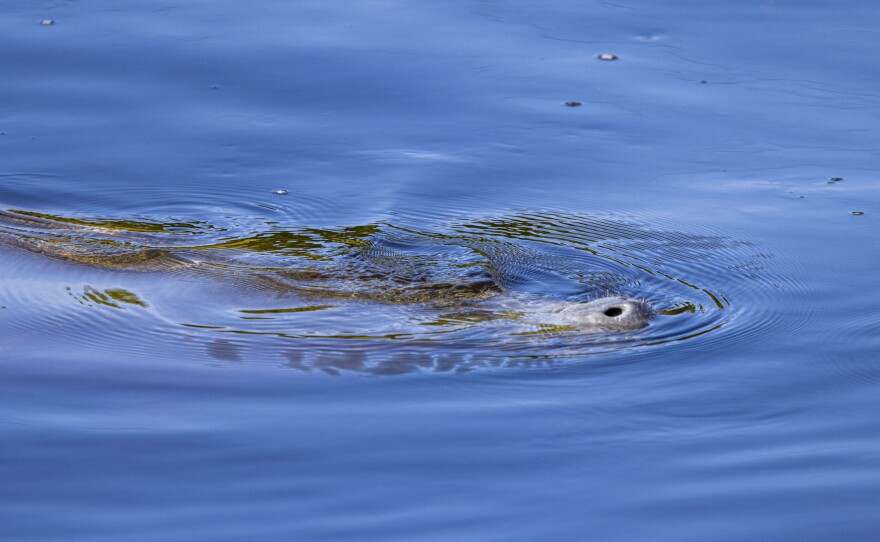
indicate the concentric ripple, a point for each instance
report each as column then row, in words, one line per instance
column 393, row 297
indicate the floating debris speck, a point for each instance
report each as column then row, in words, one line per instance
column 607, row 56
column 835, row 179
column 47, row 22
column 703, row 81
column 280, row 192
column 573, row 104
column 858, row 213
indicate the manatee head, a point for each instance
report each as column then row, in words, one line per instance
column 613, row 313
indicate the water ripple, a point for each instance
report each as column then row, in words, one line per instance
column 400, row 294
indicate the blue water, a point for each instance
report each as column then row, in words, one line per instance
column 170, row 404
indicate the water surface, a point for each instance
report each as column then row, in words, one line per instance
column 191, row 356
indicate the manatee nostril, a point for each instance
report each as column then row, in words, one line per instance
column 614, row 311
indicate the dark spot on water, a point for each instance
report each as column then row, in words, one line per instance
column 858, row 213
column 215, row 87
column 613, row 311
column 573, row 104
column 607, row 56
column 223, row 350
column 703, row 81
column 835, row 180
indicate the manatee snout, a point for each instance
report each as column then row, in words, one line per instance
column 614, row 313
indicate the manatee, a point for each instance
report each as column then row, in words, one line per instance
column 471, row 276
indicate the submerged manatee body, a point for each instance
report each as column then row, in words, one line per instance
column 364, row 263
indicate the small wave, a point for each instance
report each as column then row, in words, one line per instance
column 391, row 295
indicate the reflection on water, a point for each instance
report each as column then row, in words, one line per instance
column 397, row 297
column 111, row 297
